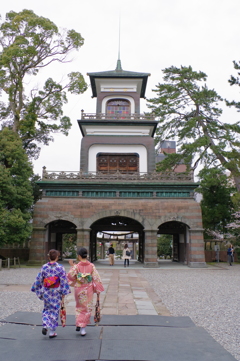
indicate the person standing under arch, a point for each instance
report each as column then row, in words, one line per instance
column 126, row 255
column 111, row 253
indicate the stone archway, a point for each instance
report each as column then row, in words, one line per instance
column 180, row 245
column 115, row 224
column 55, row 231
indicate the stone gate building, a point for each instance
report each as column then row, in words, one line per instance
column 117, row 187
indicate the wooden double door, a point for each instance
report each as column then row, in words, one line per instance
column 113, row 162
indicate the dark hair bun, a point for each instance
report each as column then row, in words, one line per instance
column 82, row 252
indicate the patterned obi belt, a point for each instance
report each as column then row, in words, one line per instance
column 51, row 282
column 84, row 277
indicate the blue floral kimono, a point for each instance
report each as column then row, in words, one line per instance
column 50, row 285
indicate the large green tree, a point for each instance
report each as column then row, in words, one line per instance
column 189, row 112
column 29, row 43
column 217, row 204
column 16, row 193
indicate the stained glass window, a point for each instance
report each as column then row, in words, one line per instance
column 118, row 107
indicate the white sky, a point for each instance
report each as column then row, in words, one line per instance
column 155, row 34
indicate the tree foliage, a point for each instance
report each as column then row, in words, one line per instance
column 15, row 189
column 217, row 205
column 164, row 245
column 28, row 43
column 189, row 113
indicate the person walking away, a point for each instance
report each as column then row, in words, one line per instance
column 230, row 254
column 126, row 255
column 111, row 253
column 51, row 286
column 85, row 279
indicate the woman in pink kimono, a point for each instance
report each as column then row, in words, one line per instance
column 85, row 279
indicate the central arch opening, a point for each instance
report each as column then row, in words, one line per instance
column 117, row 230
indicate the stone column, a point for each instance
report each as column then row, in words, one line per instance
column 150, row 258
column 196, row 256
column 134, row 251
column 37, row 254
column 83, row 238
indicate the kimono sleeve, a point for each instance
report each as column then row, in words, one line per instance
column 64, row 286
column 72, row 275
column 37, row 286
column 97, row 283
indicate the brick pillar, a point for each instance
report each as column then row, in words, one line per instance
column 83, row 238
column 196, row 256
column 37, row 254
column 150, row 258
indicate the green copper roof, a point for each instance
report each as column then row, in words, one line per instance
column 119, row 73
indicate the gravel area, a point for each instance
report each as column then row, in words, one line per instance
column 18, row 301
column 211, row 298
column 18, row 276
column 12, row 301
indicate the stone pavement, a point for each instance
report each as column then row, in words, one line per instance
column 126, row 293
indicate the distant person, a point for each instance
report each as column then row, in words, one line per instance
column 85, row 279
column 51, row 286
column 111, row 253
column 230, row 254
column 126, row 255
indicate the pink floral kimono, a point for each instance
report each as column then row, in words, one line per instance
column 85, row 279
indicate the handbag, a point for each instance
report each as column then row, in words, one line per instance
column 63, row 313
column 97, row 316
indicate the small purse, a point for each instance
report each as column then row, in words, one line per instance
column 97, row 316
column 63, row 313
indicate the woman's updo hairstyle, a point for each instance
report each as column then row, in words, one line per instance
column 53, row 254
column 82, row 252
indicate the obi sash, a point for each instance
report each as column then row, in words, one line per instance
column 84, row 277
column 51, row 282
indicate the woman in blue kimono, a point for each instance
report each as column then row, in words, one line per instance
column 51, row 286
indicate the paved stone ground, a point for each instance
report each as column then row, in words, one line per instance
column 126, row 293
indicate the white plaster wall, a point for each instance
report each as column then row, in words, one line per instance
column 118, row 148
column 118, row 130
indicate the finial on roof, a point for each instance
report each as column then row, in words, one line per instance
column 119, row 65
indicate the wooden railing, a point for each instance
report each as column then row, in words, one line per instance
column 117, row 175
column 7, row 263
column 100, row 116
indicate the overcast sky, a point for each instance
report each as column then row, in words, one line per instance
column 155, row 34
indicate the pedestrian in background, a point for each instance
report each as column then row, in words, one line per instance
column 111, row 253
column 230, row 254
column 126, row 255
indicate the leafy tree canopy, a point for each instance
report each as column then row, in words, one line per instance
column 217, row 205
column 189, row 113
column 28, row 43
column 15, row 189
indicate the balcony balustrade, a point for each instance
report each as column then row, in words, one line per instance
column 117, row 175
column 104, row 116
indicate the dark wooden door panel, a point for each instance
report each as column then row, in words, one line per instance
column 124, row 163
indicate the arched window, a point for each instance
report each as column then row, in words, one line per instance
column 120, row 107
